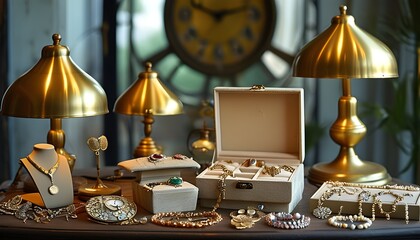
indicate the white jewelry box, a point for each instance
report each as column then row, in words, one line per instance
column 346, row 196
column 163, row 197
column 266, row 124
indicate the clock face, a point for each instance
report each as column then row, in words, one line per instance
column 219, row 37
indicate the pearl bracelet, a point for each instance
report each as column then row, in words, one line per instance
column 340, row 221
column 287, row 221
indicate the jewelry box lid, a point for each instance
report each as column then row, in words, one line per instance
column 146, row 164
column 259, row 122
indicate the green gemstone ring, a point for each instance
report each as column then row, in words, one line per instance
column 175, row 181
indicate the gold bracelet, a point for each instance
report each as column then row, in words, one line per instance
column 186, row 220
column 274, row 170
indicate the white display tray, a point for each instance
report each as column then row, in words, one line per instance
column 349, row 202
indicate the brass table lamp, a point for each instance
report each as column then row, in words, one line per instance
column 147, row 97
column 345, row 51
column 55, row 88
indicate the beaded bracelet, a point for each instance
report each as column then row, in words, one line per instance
column 287, row 220
column 186, row 220
column 340, row 221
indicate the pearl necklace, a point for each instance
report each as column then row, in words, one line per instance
column 53, row 189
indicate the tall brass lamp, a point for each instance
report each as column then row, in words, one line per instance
column 345, row 51
column 55, row 88
column 147, row 97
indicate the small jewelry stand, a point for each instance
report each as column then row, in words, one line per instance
column 99, row 188
column 52, row 176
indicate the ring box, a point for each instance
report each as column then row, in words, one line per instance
column 266, row 124
column 163, row 198
column 350, row 204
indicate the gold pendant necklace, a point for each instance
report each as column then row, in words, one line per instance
column 53, row 189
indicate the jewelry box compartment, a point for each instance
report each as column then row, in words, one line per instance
column 398, row 201
column 165, row 185
column 261, row 124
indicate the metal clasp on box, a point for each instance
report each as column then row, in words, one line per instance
column 257, row 87
column 244, row 185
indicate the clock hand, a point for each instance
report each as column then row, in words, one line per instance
column 198, row 5
column 220, row 14
column 217, row 15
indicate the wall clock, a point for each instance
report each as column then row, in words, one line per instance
column 219, row 37
column 200, row 44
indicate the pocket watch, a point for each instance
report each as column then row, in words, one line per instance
column 111, row 209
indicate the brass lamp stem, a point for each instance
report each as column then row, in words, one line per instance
column 56, row 137
column 346, row 87
column 147, row 146
column 347, row 131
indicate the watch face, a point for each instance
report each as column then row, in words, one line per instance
column 219, row 37
column 110, row 209
column 114, row 204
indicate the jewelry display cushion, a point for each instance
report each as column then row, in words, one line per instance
column 348, row 199
column 256, row 128
column 162, row 197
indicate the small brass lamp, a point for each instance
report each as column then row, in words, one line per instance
column 55, row 88
column 148, row 97
column 345, row 51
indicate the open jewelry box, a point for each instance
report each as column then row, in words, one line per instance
column 153, row 192
column 396, row 200
column 260, row 139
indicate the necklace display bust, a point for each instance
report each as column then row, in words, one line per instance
column 51, row 175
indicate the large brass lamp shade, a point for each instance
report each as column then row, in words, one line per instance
column 345, row 51
column 55, row 88
column 147, row 97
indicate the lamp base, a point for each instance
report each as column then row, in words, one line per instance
column 366, row 173
column 146, row 148
column 89, row 190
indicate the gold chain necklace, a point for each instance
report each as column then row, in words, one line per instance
column 53, row 189
column 392, row 187
column 221, row 185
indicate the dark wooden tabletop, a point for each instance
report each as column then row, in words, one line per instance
column 82, row 228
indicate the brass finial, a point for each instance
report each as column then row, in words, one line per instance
column 148, row 66
column 343, row 10
column 56, row 38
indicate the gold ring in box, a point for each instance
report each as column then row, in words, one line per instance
column 252, row 162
